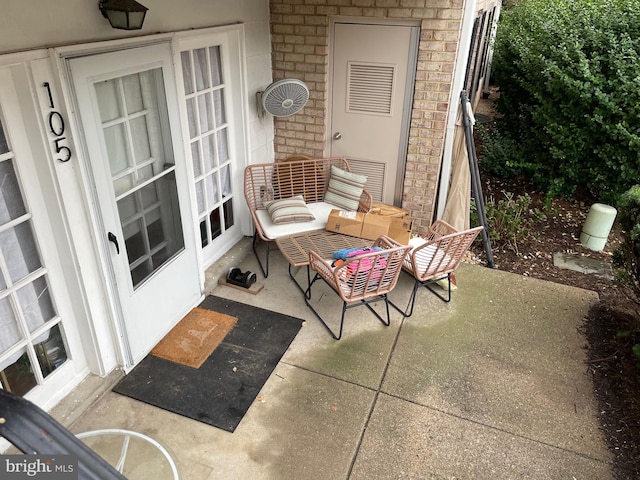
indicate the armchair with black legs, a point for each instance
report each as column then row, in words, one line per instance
column 434, row 256
column 361, row 279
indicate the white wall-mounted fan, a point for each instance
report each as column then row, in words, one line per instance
column 283, row 98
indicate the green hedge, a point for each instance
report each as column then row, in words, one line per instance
column 569, row 78
column 627, row 256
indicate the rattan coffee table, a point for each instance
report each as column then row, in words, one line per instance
column 296, row 248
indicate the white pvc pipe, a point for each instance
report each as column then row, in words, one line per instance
column 459, row 71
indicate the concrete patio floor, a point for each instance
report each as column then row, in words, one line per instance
column 490, row 386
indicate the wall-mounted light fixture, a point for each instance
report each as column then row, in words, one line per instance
column 123, row 14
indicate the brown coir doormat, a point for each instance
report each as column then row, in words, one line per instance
column 193, row 339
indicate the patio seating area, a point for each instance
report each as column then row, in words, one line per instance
column 490, row 385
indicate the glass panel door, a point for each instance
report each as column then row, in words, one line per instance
column 140, row 154
column 127, row 102
column 32, row 343
column 205, row 90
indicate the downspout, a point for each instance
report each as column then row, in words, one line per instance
column 460, row 68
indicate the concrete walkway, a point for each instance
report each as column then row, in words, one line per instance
column 490, row 386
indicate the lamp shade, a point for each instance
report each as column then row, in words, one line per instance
column 124, row 14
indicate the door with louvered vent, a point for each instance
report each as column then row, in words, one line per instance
column 370, row 111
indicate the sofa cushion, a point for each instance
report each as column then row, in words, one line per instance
column 272, row 231
column 289, row 210
column 345, row 189
column 428, row 260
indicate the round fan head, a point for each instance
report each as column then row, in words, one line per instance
column 285, row 97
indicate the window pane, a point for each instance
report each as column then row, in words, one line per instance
column 134, row 241
column 201, row 70
column 127, row 208
column 140, row 136
column 195, row 158
column 191, row 114
column 200, row 196
column 141, row 272
column 133, row 93
column 13, row 206
column 205, row 112
column 204, row 238
column 115, row 139
column 108, row 100
column 4, row 145
column 35, row 303
column 18, row 377
column 9, row 325
column 185, row 58
column 216, row 226
column 225, row 176
column 223, row 146
column 209, row 152
column 18, row 246
column 123, row 184
column 144, row 174
column 216, row 67
column 51, row 352
column 212, row 190
column 228, row 214
column 218, row 103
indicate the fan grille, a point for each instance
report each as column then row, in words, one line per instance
column 285, row 97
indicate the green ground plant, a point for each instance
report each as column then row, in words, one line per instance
column 568, row 72
column 627, row 257
column 509, row 218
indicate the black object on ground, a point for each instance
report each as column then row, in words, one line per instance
column 240, row 278
column 220, row 392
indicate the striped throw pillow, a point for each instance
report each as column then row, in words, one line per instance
column 289, row 210
column 345, row 189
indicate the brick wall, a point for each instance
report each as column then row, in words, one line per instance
column 299, row 36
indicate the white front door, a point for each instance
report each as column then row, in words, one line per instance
column 370, row 108
column 130, row 119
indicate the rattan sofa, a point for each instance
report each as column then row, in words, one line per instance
column 309, row 178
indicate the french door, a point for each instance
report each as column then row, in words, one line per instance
column 38, row 332
column 129, row 111
column 212, row 106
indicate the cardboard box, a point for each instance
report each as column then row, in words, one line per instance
column 370, row 225
column 347, row 223
column 385, row 210
column 397, row 228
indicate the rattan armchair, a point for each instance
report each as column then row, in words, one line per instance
column 434, row 256
column 360, row 280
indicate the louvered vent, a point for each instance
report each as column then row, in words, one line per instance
column 375, row 175
column 370, row 88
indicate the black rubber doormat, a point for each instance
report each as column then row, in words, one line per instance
column 220, row 392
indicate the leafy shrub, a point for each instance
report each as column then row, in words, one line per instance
column 509, row 219
column 568, row 73
column 627, row 256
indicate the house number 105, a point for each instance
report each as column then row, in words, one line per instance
column 56, row 127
